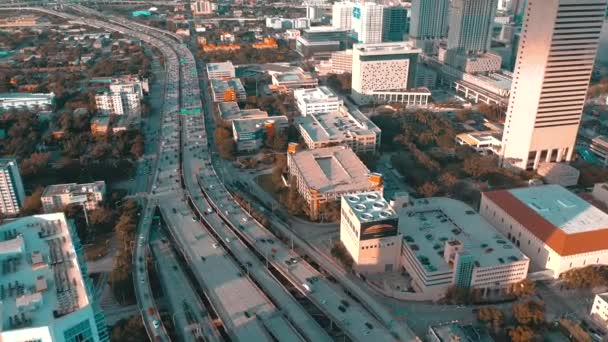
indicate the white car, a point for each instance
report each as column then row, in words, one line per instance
column 156, row 324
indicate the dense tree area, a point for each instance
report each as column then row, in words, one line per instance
column 492, row 112
column 586, row 277
column 492, row 316
column 129, row 330
column 521, row 333
column 249, row 55
column 590, row 173
column 32, row 203
column 340, row 82
column 294, row 202
column 339, row 252
column 529, row 313
column 281, row 104
column 224, row 142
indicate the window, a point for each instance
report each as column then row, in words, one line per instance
column 81, row 332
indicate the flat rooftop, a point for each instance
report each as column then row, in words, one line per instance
column 242, row 126
column 385, row 48
column 316, row 95
column 41, row 279
column 219, row 67
column 293, row 77
column 220, row 86
column 430, row 223
column 456, row 332
column 58, row 189
column 230, row 111
column 370, row 206
column 474, row 138
column 315, row 29
column 338, row 125
column 332, row 169
column 563, row 220
column 21, row 96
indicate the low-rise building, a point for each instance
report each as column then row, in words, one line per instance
column 446, row 243
column 317, row 100
column 100, row 125
column 46, row 293
column 483, row 142
column 266, row 43
column 326, row 174
column 554, row 227
column 340, row 127
column 599, row 309
column 27, row 100
column 220, row 71
column 229, row 111
column 599, row 147
column 56, row 197
column 288, row 81
column 124, row 98
column 249, row 134
column 228, row 90
column 452, row 332
column 369, row 232
column 342, row 61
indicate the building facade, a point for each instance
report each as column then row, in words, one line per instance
column 342, row 62
column 12, row 192
column 27, row 100
column 316, row 100
column 47, row 294
column 367, row 22
column 471, row 24
column 342, row 14
column 249, row 134
column 554, row 227
column 55, row 197
column 220, row 71
column 429, row 23
column 555, row 60
column 394, row 24
column 228, row 90
column 599, row 309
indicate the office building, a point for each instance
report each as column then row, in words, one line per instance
column 12, row 192
column 367, row 22
column 325, row 174
column 229, row 111
column 394, row 24
column 369, row 232
column 319, row 42
column 342, row 62
column 220, row 71
column 316, row 100
column 554, row 227
column 126, row 102
column 471, row 24
column 46, row 293
column 386, row 72
column 250, row 134
column 342, row 15
column 27, row 100
column 599, row 309
column 340, row 127
column 447, row 243
column 429, row 23
column 554, row 65
column 228, row 90
column 55, row 197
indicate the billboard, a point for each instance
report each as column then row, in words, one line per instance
column 379, row 229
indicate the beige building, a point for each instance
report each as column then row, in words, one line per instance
column 369, row 232
column 554, row 227
column 342, row 62
column 599, row 309
column 555, row 59
column 325, row 174
column 56, row 197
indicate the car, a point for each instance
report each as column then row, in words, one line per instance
column 345, row 303
column 193, row 218
column 156, row 324
column 323, row 301
column 369, row 325
column 270, row 241
column 245, row 219
column 216, row 245
column 227, row 240
column 341, row 308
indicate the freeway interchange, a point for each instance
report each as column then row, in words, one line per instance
column 256, row 286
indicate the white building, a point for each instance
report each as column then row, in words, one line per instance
column 316, row 100
column 342, row 15
column 220, row 71
column 483, row 142
column 367, row 22
column 202, row 7
column 325, row 174
column 446, row 243
column 386, row 72
column 56, row 197
column 126, row 102
column 341, row 127
column 599, row 309
column 46, row 293
column 27, row 100
column 369, row 232
column 552, row 75
column 554, row 227
column 250, row 134
column 12, row 192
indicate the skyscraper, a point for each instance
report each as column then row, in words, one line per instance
column 559, row 41
column 12, row 193
column 367, row 22
column 394, row 23
column 429, row 22
column 471, row 23
column 342, row 15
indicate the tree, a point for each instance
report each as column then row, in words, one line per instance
column 529, row 313
column 370, row 159
column 586, row 277
column 339, row 252
column 428, row 189
column 448, row 180
column 521, row 333
column 478, row 166
column 492, row 316
column 33, row 204
column 129, row 330
column 137, row 149
column 524, row 288
column 225, row 144
column 35, row 165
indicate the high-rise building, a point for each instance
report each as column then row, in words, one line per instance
column 12, row 193
column 429, row 22
column 471, row 23
column 394, row 23
column 342, row 15
column 367, row 22
column 559, row 41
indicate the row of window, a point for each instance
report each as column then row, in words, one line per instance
column 378, row 246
